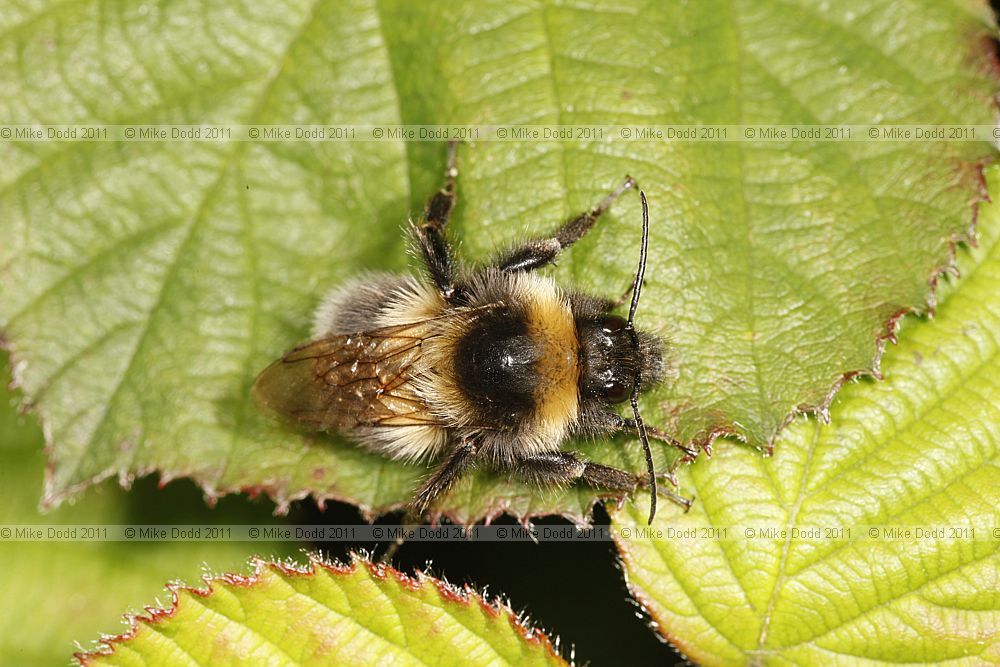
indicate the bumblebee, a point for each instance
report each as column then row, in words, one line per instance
column 492, row 365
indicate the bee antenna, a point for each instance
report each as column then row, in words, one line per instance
column 639, row 424
column 637, row 285
column 641, row 427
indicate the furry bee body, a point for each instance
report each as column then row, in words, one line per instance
column 513, row 365
column 494, row 364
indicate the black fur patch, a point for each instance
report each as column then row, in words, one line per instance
column 496, row 367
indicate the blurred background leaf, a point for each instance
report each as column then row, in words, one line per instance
column 144, row 284
column 921, row 450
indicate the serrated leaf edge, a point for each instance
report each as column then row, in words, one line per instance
column 465, row 595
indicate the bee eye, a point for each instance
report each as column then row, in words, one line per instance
column 612, row 323
column 615, row 392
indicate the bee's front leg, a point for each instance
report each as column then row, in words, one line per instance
column 610, row 423
column 540, row 252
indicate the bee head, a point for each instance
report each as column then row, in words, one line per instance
column 616, row 359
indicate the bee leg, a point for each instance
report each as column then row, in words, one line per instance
column 587, row 305
column 459, row 462
column 559, row 468
column 536, row 254
column 430, row 233
column 624, row 297
column 684, row 503
column 621, row 425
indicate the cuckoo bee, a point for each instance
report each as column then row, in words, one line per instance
column 494, row 365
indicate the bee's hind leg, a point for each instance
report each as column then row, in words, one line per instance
column 430, row 232
column 536, row 254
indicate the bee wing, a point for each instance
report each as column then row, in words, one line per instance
column 344, row 381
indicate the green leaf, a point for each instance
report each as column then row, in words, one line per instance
column 361, row 614
column 145, row 284
column 921, row 450
column 78, row 589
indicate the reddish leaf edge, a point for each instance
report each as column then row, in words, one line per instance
column 977, row 174
column 494, row 606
